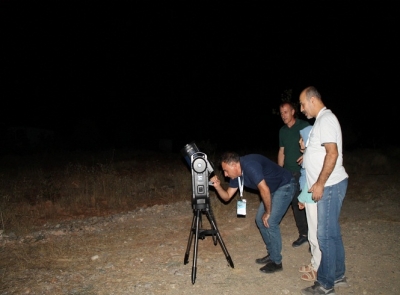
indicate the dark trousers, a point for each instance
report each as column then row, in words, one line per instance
column 299, row 215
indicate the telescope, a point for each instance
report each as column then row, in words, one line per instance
column 202, row 169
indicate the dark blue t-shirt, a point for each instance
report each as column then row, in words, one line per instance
column 257, row 167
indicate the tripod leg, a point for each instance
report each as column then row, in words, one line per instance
column 215, row 240
column 189, row 244
column 219, row 238
column 196, row 243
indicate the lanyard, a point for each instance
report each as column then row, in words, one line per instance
column 241, row 185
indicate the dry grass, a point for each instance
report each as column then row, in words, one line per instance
column 43, row 188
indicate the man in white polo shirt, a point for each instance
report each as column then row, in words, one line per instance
column 327, row 180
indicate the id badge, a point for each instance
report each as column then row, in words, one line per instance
column 241, row 208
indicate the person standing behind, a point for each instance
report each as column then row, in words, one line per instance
column 327, row 180
column 309, row 272
column 288, row 155
column 276, row 187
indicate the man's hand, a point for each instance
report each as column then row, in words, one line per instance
column 265, row 218
column 331, row 156
column 301, row 205
column 317, row 191
column 300, row 160
column 215, row 180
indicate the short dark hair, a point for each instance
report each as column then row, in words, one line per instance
column 293, row 105
column 229, row 157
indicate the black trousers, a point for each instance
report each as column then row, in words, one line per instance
column 299, row 215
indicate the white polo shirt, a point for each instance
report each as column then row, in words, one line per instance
column 326, row 129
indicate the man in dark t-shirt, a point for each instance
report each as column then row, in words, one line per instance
column 289, row 153
column 276, row 186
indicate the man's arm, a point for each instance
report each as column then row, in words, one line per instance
column 265, row 194
column 329, row 164
column 281, row 156
column 225, row 195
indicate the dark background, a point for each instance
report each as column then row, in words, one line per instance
column 127, row 74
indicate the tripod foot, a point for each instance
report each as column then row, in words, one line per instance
column 194, row 270
column 186, row 259
column 230, row 261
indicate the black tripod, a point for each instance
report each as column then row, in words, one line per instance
column 200, row 233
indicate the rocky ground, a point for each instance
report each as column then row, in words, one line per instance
column 142, row 252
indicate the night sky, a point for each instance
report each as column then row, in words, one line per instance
column 195, row 70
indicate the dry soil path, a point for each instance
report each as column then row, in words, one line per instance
column 142, row 252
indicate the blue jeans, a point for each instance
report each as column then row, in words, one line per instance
column 280, row 201
column 332, row 266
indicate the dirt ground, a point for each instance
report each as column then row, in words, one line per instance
column 142, row 251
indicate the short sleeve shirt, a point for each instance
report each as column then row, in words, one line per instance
column 256, row 167
column 326, row 129
column 289, row 139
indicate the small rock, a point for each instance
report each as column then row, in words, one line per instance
column 95, row 257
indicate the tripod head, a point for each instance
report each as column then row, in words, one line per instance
column 201, row 170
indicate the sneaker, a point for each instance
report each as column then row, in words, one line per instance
column 300, row 241
column 271, row 267
column 317, row 289
column 263, row 260
column 341, row 282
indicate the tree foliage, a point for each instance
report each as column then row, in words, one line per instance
column 286, row 96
